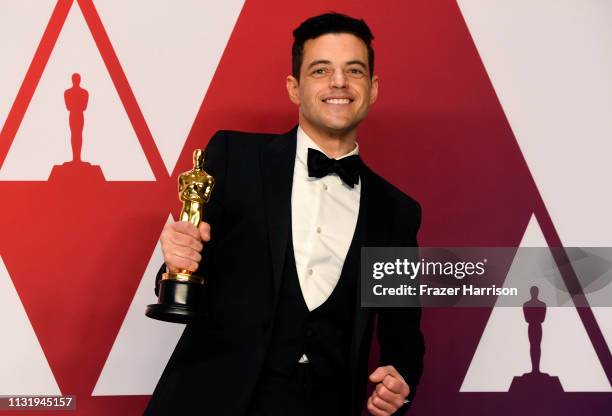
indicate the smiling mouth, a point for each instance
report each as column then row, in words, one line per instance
column 338, row 101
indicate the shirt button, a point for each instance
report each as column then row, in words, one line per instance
column 318, row 230
column 324, row 187
column 309, row 271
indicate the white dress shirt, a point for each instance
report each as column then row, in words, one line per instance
column 323, row 216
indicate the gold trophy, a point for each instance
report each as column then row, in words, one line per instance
column 180, row 293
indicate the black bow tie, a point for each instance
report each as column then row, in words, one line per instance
column 320, row 165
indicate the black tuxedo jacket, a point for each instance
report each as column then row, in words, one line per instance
column 215, row 366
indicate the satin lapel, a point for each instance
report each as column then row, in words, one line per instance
column 277, row 163
column 377, row 210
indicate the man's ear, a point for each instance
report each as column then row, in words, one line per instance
column 374, row 89
column 293, row 89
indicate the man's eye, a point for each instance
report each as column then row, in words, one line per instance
column 355, row 71
column 319, row 71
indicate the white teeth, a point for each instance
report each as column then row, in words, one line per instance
column 337, row 101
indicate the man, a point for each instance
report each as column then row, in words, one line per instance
column 282, row 331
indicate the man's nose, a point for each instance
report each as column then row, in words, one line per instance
column 338, row 79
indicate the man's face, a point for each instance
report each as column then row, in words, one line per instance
column 335, row 89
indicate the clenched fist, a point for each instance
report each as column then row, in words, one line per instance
column 182, row 245
column 390, row 392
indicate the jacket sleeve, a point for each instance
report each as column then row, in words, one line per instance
column 400, row 339
column 215, row 164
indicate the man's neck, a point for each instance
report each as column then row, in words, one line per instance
column 333, row 145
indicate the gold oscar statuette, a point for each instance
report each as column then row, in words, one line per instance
column 180, row 293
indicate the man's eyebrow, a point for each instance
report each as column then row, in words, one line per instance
column 357, row 62
column 319, row 62
column 326, row 62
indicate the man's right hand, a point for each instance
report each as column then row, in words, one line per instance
column 181, row 245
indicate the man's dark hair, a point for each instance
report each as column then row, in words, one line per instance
column 329, row 23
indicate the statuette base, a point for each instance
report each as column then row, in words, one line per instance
column 179, row 300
